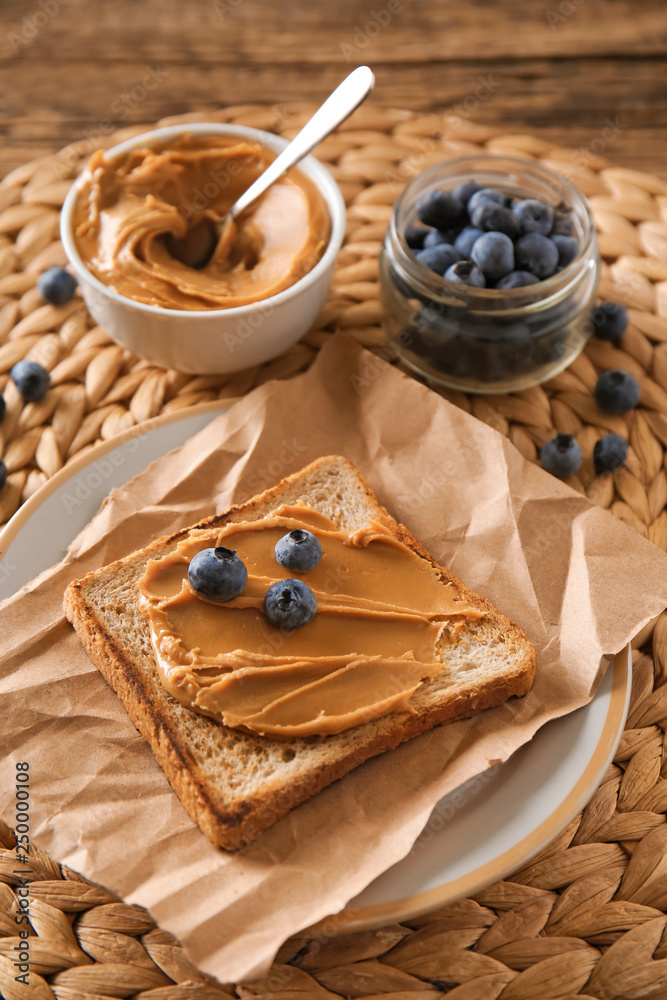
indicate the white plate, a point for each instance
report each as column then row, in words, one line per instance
column 476, row 835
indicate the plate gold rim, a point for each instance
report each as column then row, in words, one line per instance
column 365, row 918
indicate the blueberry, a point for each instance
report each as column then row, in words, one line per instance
column 494, row 218
column 56, row 286
column 3, row 473
column 567, row 247
column 415, row 236
column 610, row 321
column 466, row 239
column 440, row 209
column 298, row 550
column 561, row 456
column 536, row 253
column 454, row 357
column 485, row 194
column 434, row 327
column 465, row 191
column 436, row 236
column 494, row 255
column 617, row 391
column 517, row 279
column 610, row 453
column 3, row 406
column 464, row 272
column 439, row 258
column 534, row 216
column 217, row 574
column 31, row 379
column 563, row 224
column 289, row 604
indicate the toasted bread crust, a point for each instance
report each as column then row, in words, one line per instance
column 239, row 824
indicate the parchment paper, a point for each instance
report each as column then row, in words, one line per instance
column 578, row 582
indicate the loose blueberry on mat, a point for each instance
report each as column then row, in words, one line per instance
column 485, row 194
column 536, row 253
column 610, row 453
column 567, row 247
column 31, row 379
column 298, row 550
column 534, row 216
column 617, row 391
column 56, row 286
column 464, row 272
column 440, row 209
column 494, row 218
column 517, row 279
column 439, row 258
column 561, row 456
column 465, row 191
column 465, row 241
column 3, row 406
column 494, row 255
column 217, row 574
column 610, row 321
column 415, row 236
column 289, row 604
column 437, row 236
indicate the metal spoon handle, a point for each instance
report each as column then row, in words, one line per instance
column 345, row 99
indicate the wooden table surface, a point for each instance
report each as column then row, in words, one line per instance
column 588, row 73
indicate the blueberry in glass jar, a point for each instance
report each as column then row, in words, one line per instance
column 567, row 247
column 439, row 258
column 531, row 315
column 563, row 224
column 494, row 255
column 465, row 191
column 415, row 236
column 534, row 216
column 485, row 194
column 436, row 236
column 492, row 218
column 440, row 209
column 517, row 279
column 464, row 272
column 536, row 253
column 466, row 240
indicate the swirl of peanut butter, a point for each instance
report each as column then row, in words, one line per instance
column 382, row 612
column 128, row 207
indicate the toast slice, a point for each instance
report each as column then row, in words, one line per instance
column 235, row 783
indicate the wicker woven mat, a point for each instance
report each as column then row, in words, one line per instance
column 586, row 917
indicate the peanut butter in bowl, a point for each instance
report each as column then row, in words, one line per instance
column 130, row 208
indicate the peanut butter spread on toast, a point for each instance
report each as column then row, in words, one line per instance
column 381, row 610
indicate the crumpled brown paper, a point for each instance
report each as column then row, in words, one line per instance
column 578, row 582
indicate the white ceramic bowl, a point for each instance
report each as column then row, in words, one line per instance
column 215, row 340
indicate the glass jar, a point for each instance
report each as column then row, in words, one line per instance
column 487, row 340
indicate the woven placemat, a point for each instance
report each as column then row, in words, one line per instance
column 585, row 918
